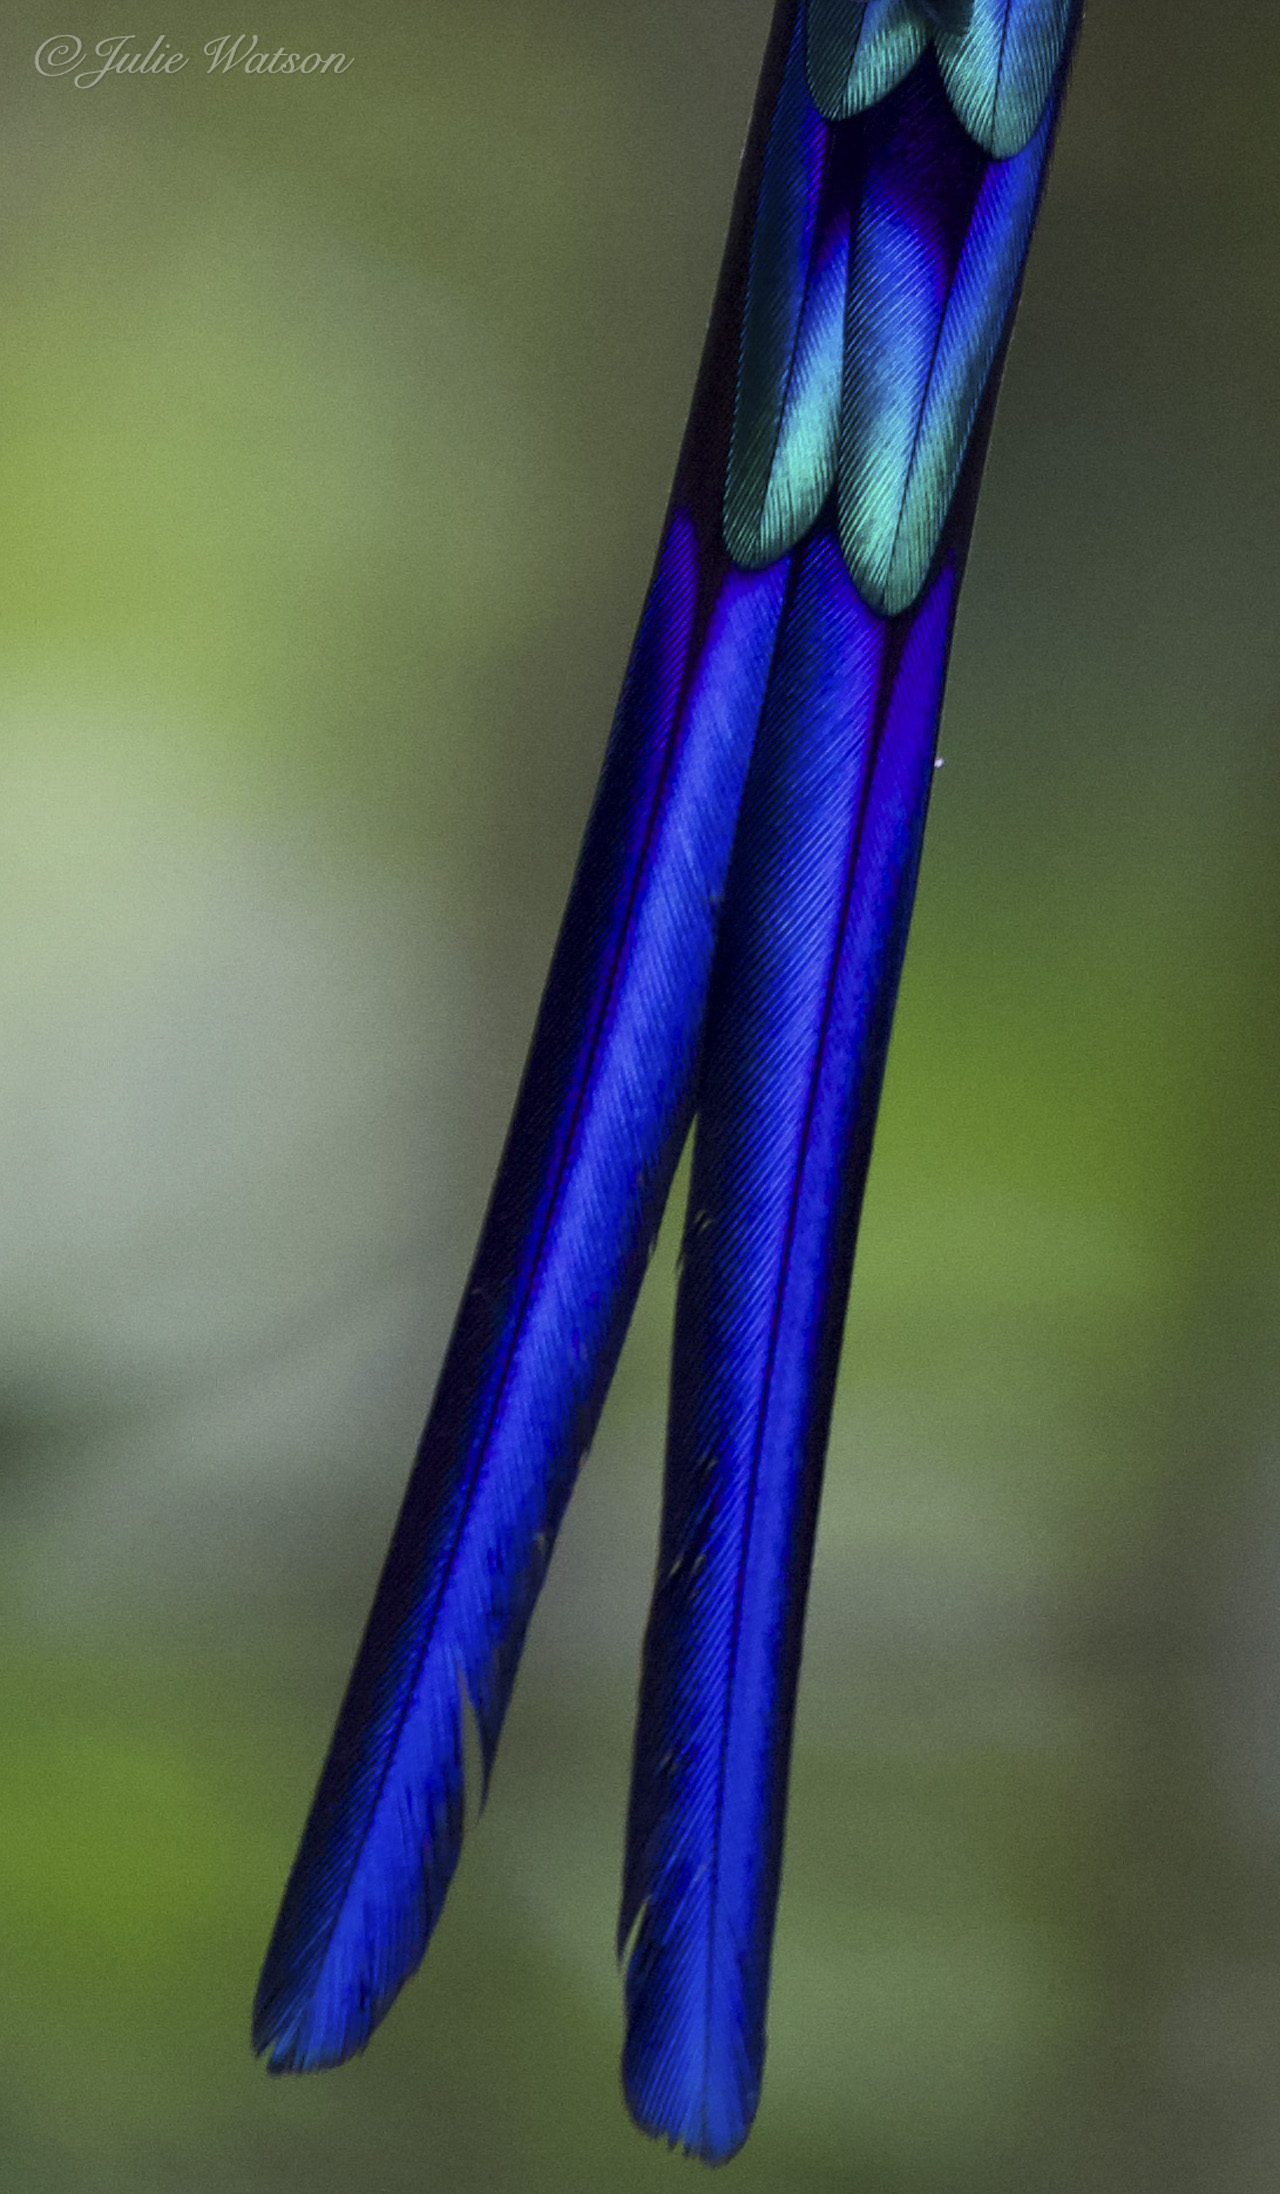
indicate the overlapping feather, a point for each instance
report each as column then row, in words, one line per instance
column 998, row 65
column 941, row 239
column 811, row 942
column 998, row 58
column 857, row 53
column 601, row 1116
column 884, row 261
column 810, row 946
column 805, row 586
column 786, row 415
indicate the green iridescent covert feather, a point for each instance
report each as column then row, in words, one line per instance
column 997, row 58
column 858, row 53
column 863, row 357
column 909, row 405
column 998, row 69
column 786, row 422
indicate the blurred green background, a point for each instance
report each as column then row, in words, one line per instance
column 336, row 421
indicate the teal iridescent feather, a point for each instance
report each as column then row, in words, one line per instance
column 998, row 58
column 925, row 321
column 786, row 419
column 858, row 53
column 999, row 67
column 897, row 195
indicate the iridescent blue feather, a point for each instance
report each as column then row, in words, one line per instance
column 812, row 938
column 940, row 243
column 598, row 1126
column 810, row 947
column 754, row 843
column 786, row 413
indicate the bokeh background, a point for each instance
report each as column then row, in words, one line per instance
column 336, row 421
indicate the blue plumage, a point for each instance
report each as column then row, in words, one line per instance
column 733, row 942
column 811, row 942
column 598, row 1127
column 786, row 411
column 940, row 244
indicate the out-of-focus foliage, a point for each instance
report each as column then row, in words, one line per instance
column 336, row 421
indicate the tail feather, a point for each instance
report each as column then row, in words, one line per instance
column 811, row 943
column 801, row 606
column 813, row 932
column 598, row 1127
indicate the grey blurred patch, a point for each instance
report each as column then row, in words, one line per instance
column 226, row 1100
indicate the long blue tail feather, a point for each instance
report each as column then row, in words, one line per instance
column 810, row 949
column 785, row 687
column 599, row 1123
column 812, row 937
